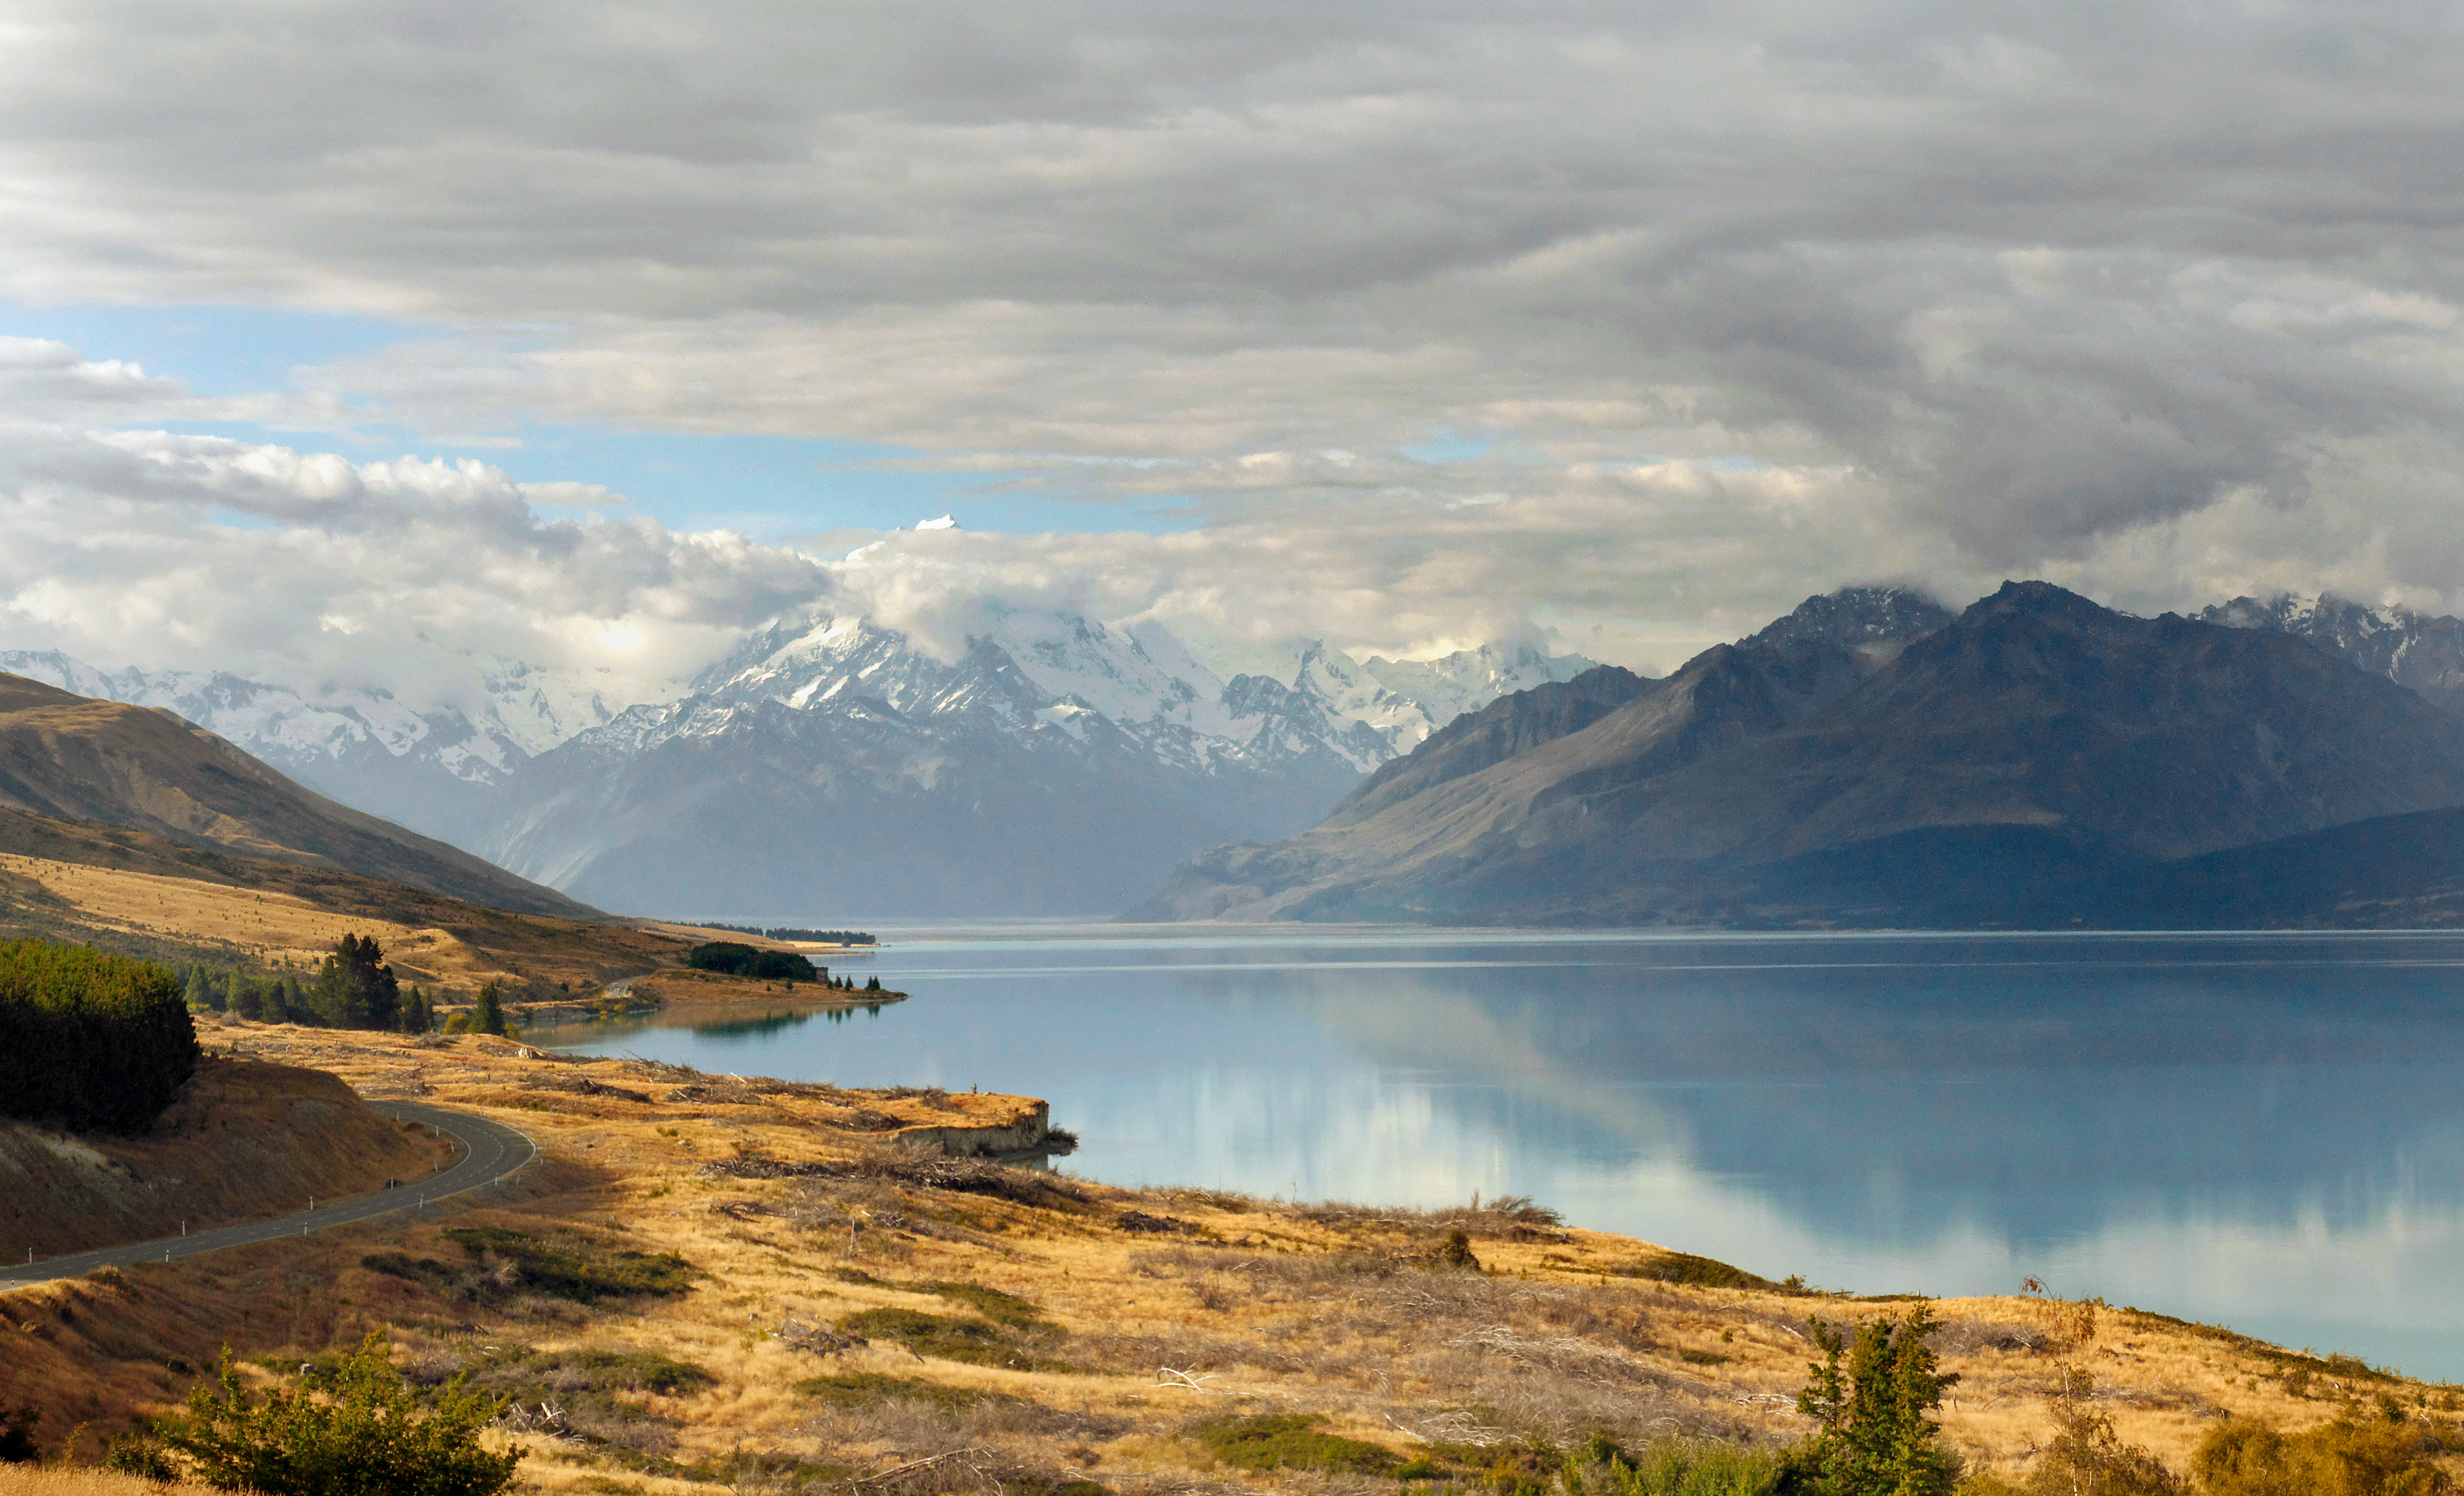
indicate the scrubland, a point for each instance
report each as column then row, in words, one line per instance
column 713, row 1281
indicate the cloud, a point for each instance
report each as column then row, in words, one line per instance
column 1749, row 300
column 180, row 551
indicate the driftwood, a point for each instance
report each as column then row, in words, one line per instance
column 814, row 1338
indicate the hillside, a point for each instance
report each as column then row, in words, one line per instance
column 244, row 1140
column 150, row 895
column 71, row 758
column 2036, row 739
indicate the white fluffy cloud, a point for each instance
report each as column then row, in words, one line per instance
column 166, row 550
column 1751, row 300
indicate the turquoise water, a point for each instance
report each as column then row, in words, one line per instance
column 2265, row 1131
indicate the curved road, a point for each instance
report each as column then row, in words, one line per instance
column 490, row 1152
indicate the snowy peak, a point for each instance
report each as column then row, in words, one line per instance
column 1029, row 669
column 2425, row 653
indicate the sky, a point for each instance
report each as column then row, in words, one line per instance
column 339, row 340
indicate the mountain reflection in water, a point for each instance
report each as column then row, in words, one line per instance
column 2266, row 1131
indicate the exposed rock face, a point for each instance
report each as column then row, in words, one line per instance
column 2038, row 734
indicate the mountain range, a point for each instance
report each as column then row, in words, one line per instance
column 1874, row 759
column 1055, row 765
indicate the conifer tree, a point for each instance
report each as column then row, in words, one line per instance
column 491, row 1015
column 1875, row 1438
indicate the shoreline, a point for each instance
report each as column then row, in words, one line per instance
column 844, row 1276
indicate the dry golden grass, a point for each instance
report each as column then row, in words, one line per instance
column 31, row 1480
column 277, row 929
column 1149, row 1310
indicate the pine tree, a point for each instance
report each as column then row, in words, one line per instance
column 355, row 988
column 1875, row 1438
column 490, row 1016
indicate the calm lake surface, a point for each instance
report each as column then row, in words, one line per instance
column 2263, row 1131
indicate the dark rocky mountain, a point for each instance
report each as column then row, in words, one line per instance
column 2035, row 741
column 70, row 757
column 1875, row 622
column 1508, row 726
column 2423, row 653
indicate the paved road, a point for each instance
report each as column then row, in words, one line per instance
column 490, row 1152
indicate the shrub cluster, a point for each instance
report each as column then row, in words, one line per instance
column 730, row 959
column 367, row 1436
column 88, row 1039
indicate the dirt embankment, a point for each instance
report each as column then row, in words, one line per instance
column 246, row 1140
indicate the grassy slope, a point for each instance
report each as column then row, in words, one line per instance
column 1052, row 1325
column 151, row 895
column 72, row 757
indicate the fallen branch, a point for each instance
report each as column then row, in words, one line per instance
column 926, row 1462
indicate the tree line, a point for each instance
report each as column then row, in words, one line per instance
column 352, row 989
column 792, row 932
column 90, row 1040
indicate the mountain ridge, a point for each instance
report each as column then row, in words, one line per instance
column 2142, row 740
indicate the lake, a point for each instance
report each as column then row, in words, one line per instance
column 2265, row 1131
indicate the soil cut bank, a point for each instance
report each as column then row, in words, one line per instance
column 246, row 1140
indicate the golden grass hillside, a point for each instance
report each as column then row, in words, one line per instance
column 718, row 1283
column 148, row 895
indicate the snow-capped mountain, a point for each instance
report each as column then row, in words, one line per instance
column 2426, row 653
column 1055, row 765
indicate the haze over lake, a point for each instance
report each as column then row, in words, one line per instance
column 2259, row 1130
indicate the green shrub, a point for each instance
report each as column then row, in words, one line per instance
column 865, row 1389
column 1675, row 1466
column 2086, row 1455
column 89, row 1040
column 1292, row 1441
column 139, row 1455
column 1001, row 1308
column 1702, row 1272
column 575, row 1267
column 370, row 1437
column 1874, row 1433
column 977, row 1342
column 2345, row 1458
